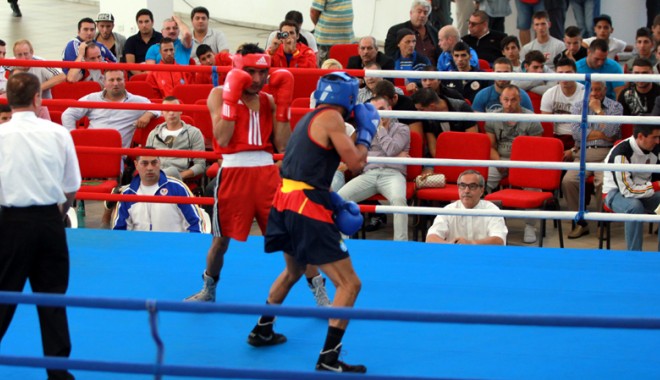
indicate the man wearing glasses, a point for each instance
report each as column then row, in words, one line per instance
column 462, row 229
column 487, row 43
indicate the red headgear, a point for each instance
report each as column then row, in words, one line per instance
column 259, row 61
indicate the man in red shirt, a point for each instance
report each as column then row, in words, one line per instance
column 165, row 81
column 286, row 51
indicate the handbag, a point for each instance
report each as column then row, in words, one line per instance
column 433, row 180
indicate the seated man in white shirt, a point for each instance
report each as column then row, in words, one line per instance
column 461, row 229
column 603, row 30
column 165, row 217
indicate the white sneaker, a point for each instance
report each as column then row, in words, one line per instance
column 207, row 294
column 529, row 236
column 318, row 289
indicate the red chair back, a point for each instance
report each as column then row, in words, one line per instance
column 204, row 122
column 141, row 134
column 416, row 151
column 139, row 77
column 190, row 93
column 462, row 145
column 534, row 148
column 55, row 116
column 96, row 165
column 548, row 128
column 301, row 102
column 305, row 84
column 66, row 90
column 297, row 114
column 142, row 88
column 484, row 65
column 342, row 52
column 536, row 101
column 626, row 131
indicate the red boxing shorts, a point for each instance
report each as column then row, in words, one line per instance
column 244, row 193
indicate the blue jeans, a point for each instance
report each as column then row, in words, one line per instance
column 634, row 230
column 525, row 12
column 584, row 12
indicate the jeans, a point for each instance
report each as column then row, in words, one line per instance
column 584, row 12
column 391, row 183
column 634, row 230
column 525, row 12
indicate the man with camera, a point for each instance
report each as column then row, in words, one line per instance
column 286, row 51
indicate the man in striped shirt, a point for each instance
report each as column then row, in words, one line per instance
column 334, row 25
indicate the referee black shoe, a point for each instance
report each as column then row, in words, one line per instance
column 329, row 361
column 263, row 335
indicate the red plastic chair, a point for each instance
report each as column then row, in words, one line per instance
column 301, row 102
column 533, row 148
column 297, row 114
column 485, row 66
column 100, row 172
column 143, row 89
column 191, row 93
column 536, row 101
column 626, row 130
column 453, row 145
column 342, row 52
column 77, row 90
column 139, row 77
column 548, row 128
column 202, row 120
column 141, row 134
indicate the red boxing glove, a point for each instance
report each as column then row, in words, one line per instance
column 237, row 81
column 656, row 186
column 281, row 85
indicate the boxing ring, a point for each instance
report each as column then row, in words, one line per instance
column 425, row 311
column 557, row 286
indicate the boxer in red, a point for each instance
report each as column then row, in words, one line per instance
column 246, row 124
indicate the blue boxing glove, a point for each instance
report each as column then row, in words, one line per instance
column 367, row 120
column 347, row 216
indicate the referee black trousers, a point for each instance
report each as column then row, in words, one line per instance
column 33, row 247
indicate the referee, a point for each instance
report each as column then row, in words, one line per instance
column 39, row 177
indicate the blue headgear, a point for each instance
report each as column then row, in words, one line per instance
column 339, row 89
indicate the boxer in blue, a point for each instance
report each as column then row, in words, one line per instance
column 306, row 218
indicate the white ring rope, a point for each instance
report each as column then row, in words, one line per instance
column 484, row 75
column 564, row 215
column 550, row 165
column 497, row 116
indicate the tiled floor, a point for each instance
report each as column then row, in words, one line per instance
column 50, row 24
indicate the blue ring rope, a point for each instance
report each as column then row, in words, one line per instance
column 584, row 125
column 160, row 347
column 214, row 76
column 337, row 312
column 182, row 370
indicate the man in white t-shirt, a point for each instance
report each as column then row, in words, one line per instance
column 603, row 30
column 544, row 42
column 461, row 229
column 559, row 99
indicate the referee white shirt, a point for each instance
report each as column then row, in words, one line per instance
column 38, row 162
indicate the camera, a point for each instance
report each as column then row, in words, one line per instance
column 282, row 35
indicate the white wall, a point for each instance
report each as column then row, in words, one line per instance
column 372, row 17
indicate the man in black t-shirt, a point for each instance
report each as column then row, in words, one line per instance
column 638, row 99
column 428, row 100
